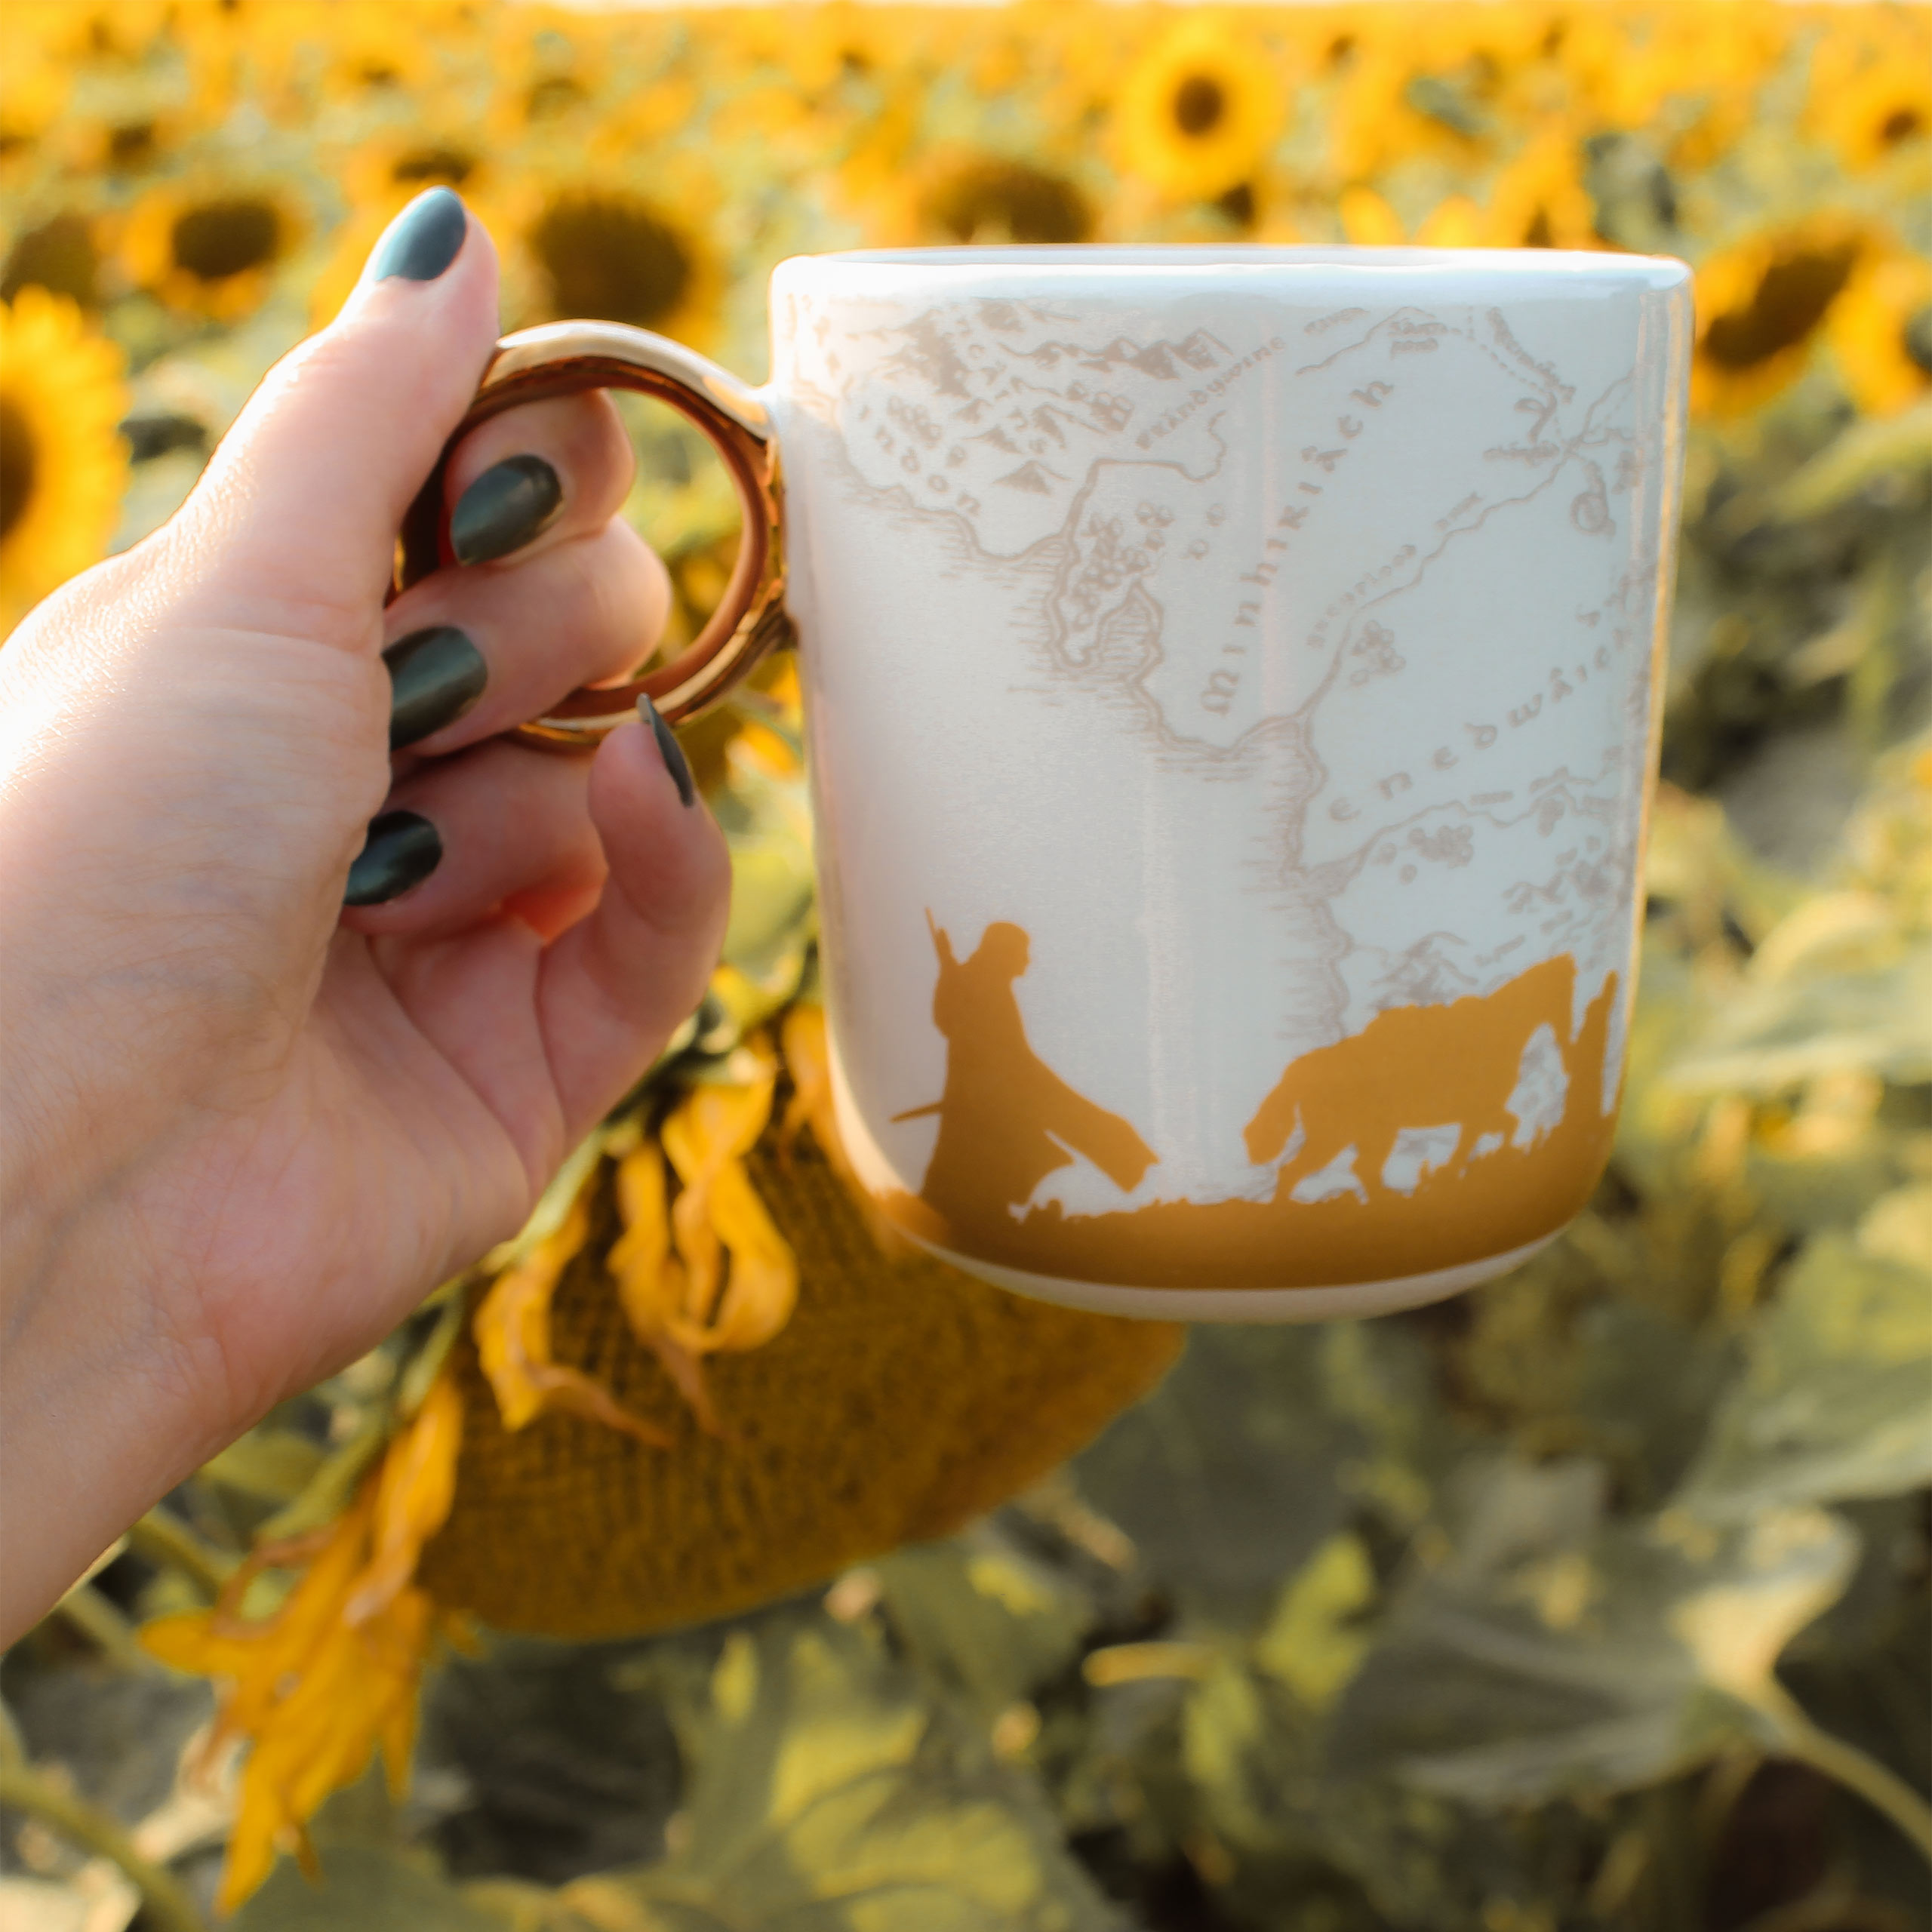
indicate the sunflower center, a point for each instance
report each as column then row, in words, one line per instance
column 1200, row 103
column 445, row 164
column 611, row 259
column 224, row 238
column 1917, row 339
column 16, row 466
column 1007, row 200
column 132, row 144
column 60, row 255
column 1788, row 303
column 1900, row 125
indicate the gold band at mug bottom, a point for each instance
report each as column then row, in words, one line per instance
column 1335, row 1303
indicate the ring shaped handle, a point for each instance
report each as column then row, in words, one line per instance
column 563, row 357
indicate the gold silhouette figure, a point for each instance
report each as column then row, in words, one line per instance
column 1413, row 1066
column 1006, row 1119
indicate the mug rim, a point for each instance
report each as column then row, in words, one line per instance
column 1064, row 261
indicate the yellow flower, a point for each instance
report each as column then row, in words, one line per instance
column 212, row 248
column 380, row 176
column 331, row 1676
column 62, row 254
column 589, row 244
column 1368, row 220
column 63, row 464
column 1429, row 82
column 1199, row 111
column 36, row 85
column 1687, row 76
column 685, row 1307
column 1872, row 86
column 990, row 198
column 513, row 1342
column 900, row 1400
column 1539, row 202
column 1456, row 222
column 1880, row 331
column 1762, row 305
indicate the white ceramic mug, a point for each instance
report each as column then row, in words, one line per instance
column 1231, row 681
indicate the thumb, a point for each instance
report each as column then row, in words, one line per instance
column 302, row 502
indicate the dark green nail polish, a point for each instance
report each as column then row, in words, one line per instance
column 438, row 675
column 403, row 848
column 669, row 748
column 504, row 509
column 422, row 241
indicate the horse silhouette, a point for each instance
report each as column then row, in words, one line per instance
column 1415, row 1066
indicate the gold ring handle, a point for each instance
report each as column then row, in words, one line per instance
column 562, row 357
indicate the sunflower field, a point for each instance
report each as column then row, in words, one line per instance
column 702, row 1560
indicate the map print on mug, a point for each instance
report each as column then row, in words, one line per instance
column 1232, row 682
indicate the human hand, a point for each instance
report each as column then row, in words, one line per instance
column 247, row 1128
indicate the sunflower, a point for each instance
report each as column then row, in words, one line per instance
column 212, row 248
column 61, row 254
column 1687, row 76
column 1539, row 202
column 1429, row 82
column 1871, row 89
column 37, row 85
column 1367, row 220
column 306, row 58
column 63, row 465
column 1199, row 111
column 992, row 197
column 597, row 248
column 1880, row 331
column 1762, row 305
column 705, row 1375
column 379, row 177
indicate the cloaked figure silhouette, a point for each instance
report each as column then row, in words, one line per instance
column 1415, row 1066
column 1006, row 1119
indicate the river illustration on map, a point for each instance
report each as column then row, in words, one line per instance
column 1362, row 610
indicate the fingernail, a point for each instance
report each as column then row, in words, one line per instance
column 669, row 748
column 403, row 848
column 422, row 241
column 504, row 509
column 437, row 674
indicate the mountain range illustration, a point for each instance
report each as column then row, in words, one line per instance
column 1165, row 361
column 1034, row 476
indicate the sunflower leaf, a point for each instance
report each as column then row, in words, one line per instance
column 826, row 1793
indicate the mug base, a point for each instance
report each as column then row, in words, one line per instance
column 1257, row 1305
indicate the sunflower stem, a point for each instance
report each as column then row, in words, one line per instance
column 168, row 1907
column 1845, row 1763
column 163, row 1536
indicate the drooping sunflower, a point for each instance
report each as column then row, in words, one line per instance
column 63, row 464
column 702, row 1377
column 212, row 247
column 1762, row 306
column 1199, row 111
column 1881, row 332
